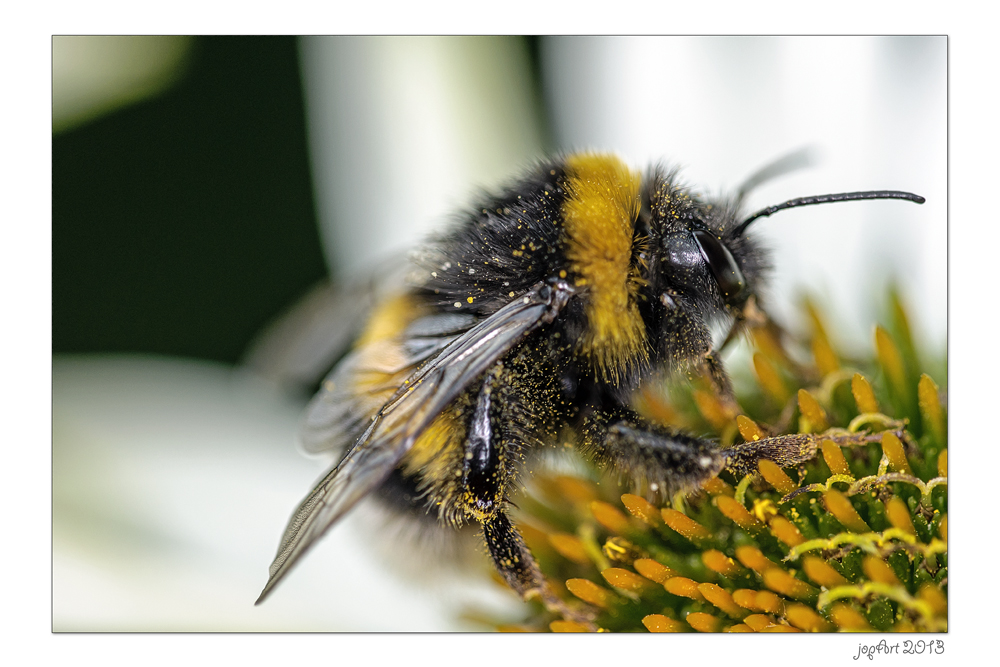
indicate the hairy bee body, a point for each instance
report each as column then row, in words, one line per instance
column 542, row 311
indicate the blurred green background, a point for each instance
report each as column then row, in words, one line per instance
column 185, row 222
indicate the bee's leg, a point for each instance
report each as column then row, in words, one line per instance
column 512, row 558
column 488, row 471
column 518, row 568
column 755, row 321
column 664, row 460
column 789, row 450
column 785, row 450
column 690, row 343
column 667, row 461
column 721, row 383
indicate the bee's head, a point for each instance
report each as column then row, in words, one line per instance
column 695, row 252
column 701, row 251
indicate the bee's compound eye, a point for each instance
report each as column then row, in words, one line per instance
column 722, row 264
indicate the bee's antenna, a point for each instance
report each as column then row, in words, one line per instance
column 801, row 158
column 826, row 199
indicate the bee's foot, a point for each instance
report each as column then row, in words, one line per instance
column 583, row 615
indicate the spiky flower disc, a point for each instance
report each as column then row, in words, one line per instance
column 855, row 540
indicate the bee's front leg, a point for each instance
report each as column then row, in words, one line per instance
column 790, row 450
column 687, row 343
column 721, row 383
column 662, row 459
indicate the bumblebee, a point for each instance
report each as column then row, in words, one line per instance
column 542, row 311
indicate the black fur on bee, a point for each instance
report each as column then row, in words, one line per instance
column 543, row 309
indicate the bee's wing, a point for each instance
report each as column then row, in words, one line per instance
column 367, row 377
column 300, row 346
column 405, row 416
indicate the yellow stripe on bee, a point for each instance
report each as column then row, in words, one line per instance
column 382, row 365
column 599, row 216
column 435, row 452
column 389, row 320
column 381, row 369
